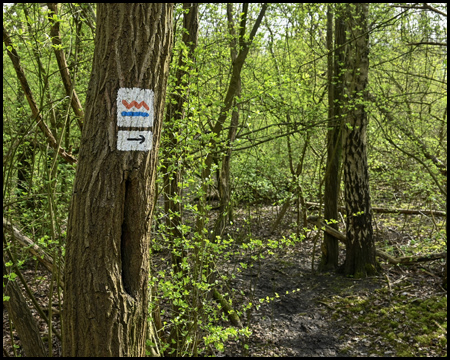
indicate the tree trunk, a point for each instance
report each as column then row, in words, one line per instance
column 233, row 86
column 224, row 184
column 360, row 258
column 107, row 254
column 330, row 250
column 62, row 64
column 174, row 115
column 22, row 318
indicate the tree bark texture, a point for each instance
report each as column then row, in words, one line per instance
column 330, row 250
column 107, row 255
column 360, row 258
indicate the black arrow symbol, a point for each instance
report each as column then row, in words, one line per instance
column 141, row 140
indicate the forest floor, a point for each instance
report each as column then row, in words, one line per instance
column 400, row 312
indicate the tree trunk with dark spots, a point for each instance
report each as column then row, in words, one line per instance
column 360, row 258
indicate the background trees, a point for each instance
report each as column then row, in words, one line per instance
column 255, row 112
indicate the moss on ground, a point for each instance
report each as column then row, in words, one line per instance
column 396, row 323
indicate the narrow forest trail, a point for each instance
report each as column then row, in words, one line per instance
column 325, row 314
column 296, row 322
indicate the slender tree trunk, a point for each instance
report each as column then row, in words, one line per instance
column 234, row 80
column 24, row 155
column 15, row 59
column 175, row 113
column 22, row 318
column 107, row 256
column 224, row 173
column 360, row 259
column 62, row 64
column 330, row 248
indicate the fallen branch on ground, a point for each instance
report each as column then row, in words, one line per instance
column 234, row 318
column 382, row 210
column 405, row 260
column 34, row 249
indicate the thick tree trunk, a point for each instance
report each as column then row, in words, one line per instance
column 360, row 259
column 330, row 250
column 107, row 256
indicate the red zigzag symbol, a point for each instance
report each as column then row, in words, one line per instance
column 134, row 103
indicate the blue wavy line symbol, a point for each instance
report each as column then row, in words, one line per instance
column 133, row 113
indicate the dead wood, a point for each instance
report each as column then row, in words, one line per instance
column 382, row 210
column 232, row 315
column 32, row 248
column 405, row 260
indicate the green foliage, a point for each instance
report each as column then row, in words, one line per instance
column 282, row 127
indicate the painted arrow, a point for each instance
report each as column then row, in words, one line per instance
column 141, row 140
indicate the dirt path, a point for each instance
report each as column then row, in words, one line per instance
column 297, row 323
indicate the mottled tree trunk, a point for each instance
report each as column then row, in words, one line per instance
column 107, row 256
column 360, row 259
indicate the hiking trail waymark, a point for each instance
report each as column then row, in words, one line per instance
column 134, row 110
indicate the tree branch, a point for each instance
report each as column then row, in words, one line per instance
column 12, row 53
column 427, row 43
column 63, row 68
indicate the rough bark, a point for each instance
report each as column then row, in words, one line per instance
column 330, row 250
column 405, row 260
column 107, row 256
column 360, row 256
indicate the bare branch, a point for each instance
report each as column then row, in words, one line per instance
column 12, row 53
column 63, row 68
column 427, row 43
